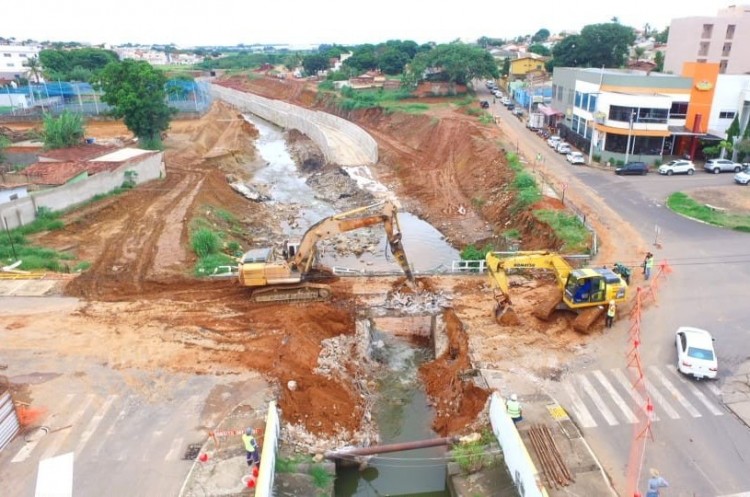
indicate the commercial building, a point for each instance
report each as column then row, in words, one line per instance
column 13, row 60
column 722, row 40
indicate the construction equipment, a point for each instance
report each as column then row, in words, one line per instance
column 287, row 277
column 585, row 291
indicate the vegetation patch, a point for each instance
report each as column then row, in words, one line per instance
column 687, row 206
column 568, row 228
column 15, row 246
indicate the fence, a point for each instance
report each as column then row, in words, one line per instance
column 9, row 424
column 267, row 472
column 82, row 98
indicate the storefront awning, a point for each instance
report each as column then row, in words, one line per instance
column 548, row 111
column 631, row 132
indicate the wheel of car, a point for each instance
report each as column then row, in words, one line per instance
column 716, row 170
column 737, row 169
column 669, row 172
column 691, row 172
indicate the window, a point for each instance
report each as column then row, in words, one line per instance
column 639, row 115
column 704, row 46
column 701, row 61
column 678, row 110
column 622, row 114
column 727, row 114
column 578, row 99
column 6, row 55
column 14, row 196
column 708, row 30
column 726, row 49
column 723, row 66
column 730, row 32
column 559, row 92
column 592, row 103
column 23, row 55
column 10, row 64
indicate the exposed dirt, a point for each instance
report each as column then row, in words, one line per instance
column 144, row 309
column 736, row 199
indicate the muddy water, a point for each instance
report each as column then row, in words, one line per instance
column 402, row 415
column 425, row 246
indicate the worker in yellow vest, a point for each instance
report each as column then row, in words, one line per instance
column 611, row 312
column 514, row 408
column 251, row 448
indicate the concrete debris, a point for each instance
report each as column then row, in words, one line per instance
column 335, row 352
column 417, row 303
column 296, row 438
column 249, row 192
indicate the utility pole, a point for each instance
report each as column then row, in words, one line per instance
column 630, row 133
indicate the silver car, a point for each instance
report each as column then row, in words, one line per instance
column 717, row 166
column 678, row 166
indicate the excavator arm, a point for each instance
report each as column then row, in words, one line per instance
column 362, row 217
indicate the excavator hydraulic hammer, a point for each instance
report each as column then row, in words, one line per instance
column 397, row 249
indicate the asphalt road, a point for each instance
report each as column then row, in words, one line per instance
column 700, row 447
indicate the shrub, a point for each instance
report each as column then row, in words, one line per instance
column 567, row 227
column 469, row 456
column 472, row 253
column 596, row 157
column 63, row 131
column 321, row 477
column 205, row 242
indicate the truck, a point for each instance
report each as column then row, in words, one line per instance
column 585, row 291
column 536, row 120
column 293, row 275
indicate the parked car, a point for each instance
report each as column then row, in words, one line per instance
column 576, row 158
column 743, row 177
column 511, row 106
column 497, row 93
column 695, row 352
column 563, row 148
column 632, row 168
column 717, row 166
column 678, row 166
column 505, row 101
column 484, row 104
column 552, row 141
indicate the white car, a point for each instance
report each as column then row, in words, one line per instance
column 563, row 148
column 695, row 352
column 576, row 158
column 678, row 166
column 717, row 166
column 743, row 177
column 505, row 101
column 552, row 141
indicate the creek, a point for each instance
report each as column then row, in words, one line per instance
column 425, row 246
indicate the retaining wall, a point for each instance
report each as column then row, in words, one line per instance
column 23, row 210
column 310, row 122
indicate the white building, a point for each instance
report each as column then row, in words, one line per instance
column 731, row 98
column 13, row 60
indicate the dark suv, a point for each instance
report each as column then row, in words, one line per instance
column 632, row 168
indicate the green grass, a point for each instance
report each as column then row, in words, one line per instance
column 567, row 227
column 470, row 456
column 321, row 477
column 687, row 206
column 15, row 246
column 5, row 109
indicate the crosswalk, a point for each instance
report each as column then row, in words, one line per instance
column 608, row 397
column 91, row 425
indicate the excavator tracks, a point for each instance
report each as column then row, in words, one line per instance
column 305, row 292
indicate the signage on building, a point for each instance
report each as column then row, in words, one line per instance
column 703, row 85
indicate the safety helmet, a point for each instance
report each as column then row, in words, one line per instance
column 513, row 396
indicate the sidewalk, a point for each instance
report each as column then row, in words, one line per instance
column 735, row 393
column 540, row 408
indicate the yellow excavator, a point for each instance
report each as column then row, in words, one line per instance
column 286, row 277
column 586, row 291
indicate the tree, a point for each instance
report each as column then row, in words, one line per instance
column 646, row 30
column 659, row 61
column 63, row 131
column 4, row 142
column 58, row 63
column 292, row 61
column 598, row 45
column 456, row 63
column 392, row 61
column 363, row 59
column 541, row 35
column 314, row 63
column 136, row 92
column 540, row 49
column 506, row 67
column 35, row 69
column 662, row 36
column 638, row 53
column 567, row 52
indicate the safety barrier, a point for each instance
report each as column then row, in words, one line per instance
column 9, row 424
column 517, row 459
column 267, row 472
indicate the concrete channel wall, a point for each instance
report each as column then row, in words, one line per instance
column 23, row 210
column 319, row 126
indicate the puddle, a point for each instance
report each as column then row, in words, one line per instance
column 425, row 246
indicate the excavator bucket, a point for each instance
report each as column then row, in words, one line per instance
column 397, row 249
column 504, row 313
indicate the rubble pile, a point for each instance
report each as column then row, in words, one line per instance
column 417, row 303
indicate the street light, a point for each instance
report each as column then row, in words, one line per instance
column 630, row 132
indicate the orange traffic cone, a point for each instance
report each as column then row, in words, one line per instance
column 255, row 471
column 251, row 482
column 203, row 457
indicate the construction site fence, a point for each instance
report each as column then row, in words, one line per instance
column 44, row 99
column 267, row 471
column 517, row 459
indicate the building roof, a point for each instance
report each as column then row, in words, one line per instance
column 122, row 155
column 53, row 173
column 78, row 153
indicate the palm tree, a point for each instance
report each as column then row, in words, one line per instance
column 35, row 69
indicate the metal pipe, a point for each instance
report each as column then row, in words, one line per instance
column 383, row 449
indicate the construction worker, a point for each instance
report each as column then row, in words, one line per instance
column 648, row 265
column 251, row 448
column 611, row 311
column 514, row 408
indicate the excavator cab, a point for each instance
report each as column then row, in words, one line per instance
column 585, row 287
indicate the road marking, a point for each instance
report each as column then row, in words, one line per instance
column 608, row 416
column 61, row 436
column 615, row 396
column 628, row 386
column 714, row 389
column 675, row 393
column 658, row 398
column 579, row 408
column 95, row 422
column 741, row 494
column 120, row 417
column 174, row 450
column 55, row 476
column 25, row 451
column 716, row 411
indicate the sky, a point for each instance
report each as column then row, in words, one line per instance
column 310, row 22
